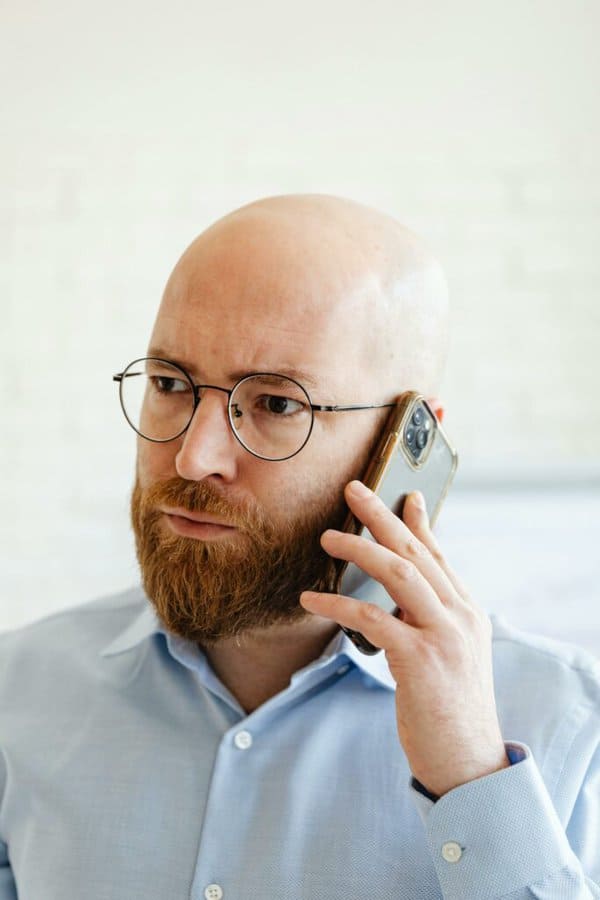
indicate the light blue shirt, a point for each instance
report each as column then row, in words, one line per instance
column 128, row 770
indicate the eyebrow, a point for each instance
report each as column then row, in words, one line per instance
column 305, row 378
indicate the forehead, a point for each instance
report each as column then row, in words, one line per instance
column 195, row 368
column 228, row 311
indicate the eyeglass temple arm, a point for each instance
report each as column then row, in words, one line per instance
column 343, row 408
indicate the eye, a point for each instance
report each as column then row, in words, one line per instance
column 164, row 384
column 278, row 405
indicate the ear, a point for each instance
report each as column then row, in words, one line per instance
column 436, row 406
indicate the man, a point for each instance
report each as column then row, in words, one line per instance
column 216, row 734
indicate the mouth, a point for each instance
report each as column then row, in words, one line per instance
column 201, row 526
column 204, row 517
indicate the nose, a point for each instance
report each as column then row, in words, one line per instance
column 209, row 446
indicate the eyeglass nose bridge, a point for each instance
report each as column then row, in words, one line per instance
column 215, row 387
column 233, row 410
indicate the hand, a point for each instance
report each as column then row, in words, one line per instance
column 438, row 648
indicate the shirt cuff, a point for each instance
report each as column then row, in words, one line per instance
column 513, row 751
column 495, row 834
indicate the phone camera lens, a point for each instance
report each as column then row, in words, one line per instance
column 410, row 435
column 421, row 438
column 418, row 416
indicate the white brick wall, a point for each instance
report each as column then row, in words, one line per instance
column 126, row 130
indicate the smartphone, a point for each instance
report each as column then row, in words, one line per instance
column 412, row 453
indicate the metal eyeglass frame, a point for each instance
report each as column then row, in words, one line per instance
column 314, row 407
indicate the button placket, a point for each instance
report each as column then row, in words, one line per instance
column 242, row 740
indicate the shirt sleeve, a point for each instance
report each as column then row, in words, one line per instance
column 500, row 835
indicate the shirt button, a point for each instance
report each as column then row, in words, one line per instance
column 213, row 892
column 451, row 851
column 242, row 740
column 343, row 669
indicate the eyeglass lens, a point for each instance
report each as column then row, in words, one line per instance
column 270, row 414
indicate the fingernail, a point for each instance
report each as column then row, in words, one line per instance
column 419, row 499
column 358, row 489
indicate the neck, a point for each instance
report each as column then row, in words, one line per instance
column 257, row 665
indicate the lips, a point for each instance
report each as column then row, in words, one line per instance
column 201, row 517
column 202, row 527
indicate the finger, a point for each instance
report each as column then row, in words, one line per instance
column 381, row 628
column 391, row 532
column 416, row 518
column 402, row 580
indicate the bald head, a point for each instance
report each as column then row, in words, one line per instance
column 335, row 263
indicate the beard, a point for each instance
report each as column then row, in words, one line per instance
column 205, row 591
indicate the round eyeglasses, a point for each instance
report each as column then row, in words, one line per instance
column 271, row 415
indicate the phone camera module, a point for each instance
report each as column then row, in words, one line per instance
column 417, row 433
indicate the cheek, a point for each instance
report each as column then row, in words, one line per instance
column 318, row 474
column 345, row 454
column 284, row 489
column 155, row 461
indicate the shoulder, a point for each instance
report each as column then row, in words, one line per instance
column 65, row 637
column 519, row 653
column 547, row 691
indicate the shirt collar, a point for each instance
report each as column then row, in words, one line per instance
column 145, row 623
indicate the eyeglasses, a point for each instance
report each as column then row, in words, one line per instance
column 271, row 415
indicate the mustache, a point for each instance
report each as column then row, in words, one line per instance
column 201, row 496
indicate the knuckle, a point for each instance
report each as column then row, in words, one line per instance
column 430, row 651
column 372, row 613
column 415, row 548
column 402, row 568
column 379, row 510
column 477, row 617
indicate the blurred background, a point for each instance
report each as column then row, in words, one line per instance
column 128, row 127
